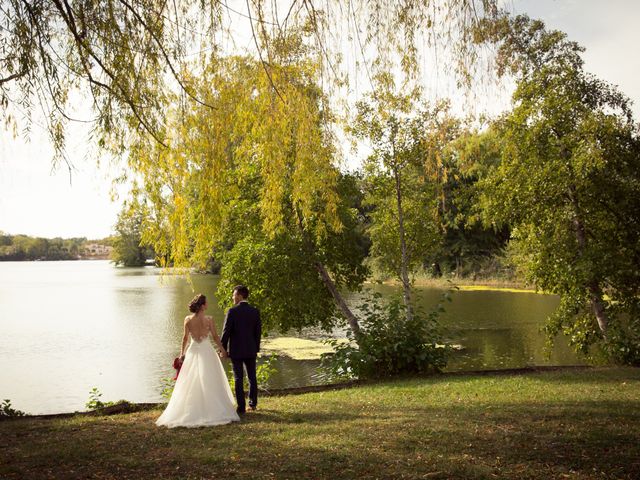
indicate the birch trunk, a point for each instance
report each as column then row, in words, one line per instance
column 338, row 299
column 595, row 292
column 404, row 274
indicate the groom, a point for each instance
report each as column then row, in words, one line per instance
column 241, row 340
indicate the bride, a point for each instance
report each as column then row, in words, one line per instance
column 201, row 395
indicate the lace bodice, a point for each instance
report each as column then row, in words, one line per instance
column 198, row 339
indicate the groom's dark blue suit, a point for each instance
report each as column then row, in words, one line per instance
column 241, row 339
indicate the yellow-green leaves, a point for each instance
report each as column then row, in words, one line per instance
column 280, row 144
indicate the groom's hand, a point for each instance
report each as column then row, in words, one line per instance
column 224, row 354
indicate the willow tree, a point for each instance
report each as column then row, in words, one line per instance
column 568, row 185
column 113, row 63
column 252, row 178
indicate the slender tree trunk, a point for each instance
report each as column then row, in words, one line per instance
column 338, row 299
column 598, row 307
column 404, row 261
column 330, row 284
column 593, row 286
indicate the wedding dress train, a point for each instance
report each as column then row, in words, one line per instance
column 201, row 396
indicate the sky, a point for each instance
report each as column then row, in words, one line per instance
column 38, row 201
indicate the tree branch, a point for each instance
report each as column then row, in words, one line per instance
column 264, row 65
column 165, row 55
column 82, row 48
column 13, row 77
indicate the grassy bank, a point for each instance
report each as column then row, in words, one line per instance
column 466, row 283
column 582, row 424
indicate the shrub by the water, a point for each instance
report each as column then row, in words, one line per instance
column 264, row 371
column 94, row 403
column 7, row 411
column 623, row 342
column 389, row 343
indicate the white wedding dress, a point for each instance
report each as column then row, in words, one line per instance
column 201, row 396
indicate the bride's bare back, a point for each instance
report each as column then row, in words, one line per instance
column 199, row 326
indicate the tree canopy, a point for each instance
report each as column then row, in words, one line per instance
column 569, row 187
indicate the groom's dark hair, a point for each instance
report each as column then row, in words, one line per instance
column 242, row 290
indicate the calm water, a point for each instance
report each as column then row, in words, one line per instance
column 66, row 327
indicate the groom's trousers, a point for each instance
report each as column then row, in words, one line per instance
column 239, row 364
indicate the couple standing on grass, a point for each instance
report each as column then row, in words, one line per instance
column 202, row 395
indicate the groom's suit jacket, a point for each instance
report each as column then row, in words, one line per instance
column 241, row 331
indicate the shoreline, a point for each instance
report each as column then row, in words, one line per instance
column 465, row 284
column 131, row 407
column 462, row 284
column 28, row 260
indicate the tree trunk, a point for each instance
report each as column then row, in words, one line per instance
column 329, row 283
column 595, row 292
column 404, row 273
column 337, row 297
column 597, row 306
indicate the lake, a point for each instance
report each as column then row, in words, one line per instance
column 66, row 327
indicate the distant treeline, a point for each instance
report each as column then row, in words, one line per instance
column 23, row 247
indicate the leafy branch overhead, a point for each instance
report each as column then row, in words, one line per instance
column 114, row 64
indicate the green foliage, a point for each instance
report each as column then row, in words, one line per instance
column 167, row 384
column 127, row 248
column 282, row 272
column 470, row 248
column 252, row 162
column 282, row 280
column 569, row 186
column 264, row 371
column 23, row 247
column 623, row 338
column 390, row 343
column 94, row 402
column 116, row 54
column 399, row 188
column 575, row 320
column 254, row 185
column 7, row 411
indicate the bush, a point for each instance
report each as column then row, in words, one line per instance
column 623, row 343
column 167, row 384
column 574, row 318
column 389, row 344
column 94, row 403
column 264, row 371
column 7, row 411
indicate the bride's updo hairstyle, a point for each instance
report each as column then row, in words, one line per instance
column 196, row 304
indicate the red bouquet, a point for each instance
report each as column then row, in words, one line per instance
column 177, row 364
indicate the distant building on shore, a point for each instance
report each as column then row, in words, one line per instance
column 96, row 250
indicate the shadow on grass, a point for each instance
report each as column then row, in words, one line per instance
column 340, row 439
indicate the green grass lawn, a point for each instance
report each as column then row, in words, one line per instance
column 563, row 424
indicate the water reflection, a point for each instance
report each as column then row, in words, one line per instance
column 66, row 327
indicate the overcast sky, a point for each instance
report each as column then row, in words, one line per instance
column 38, row 202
